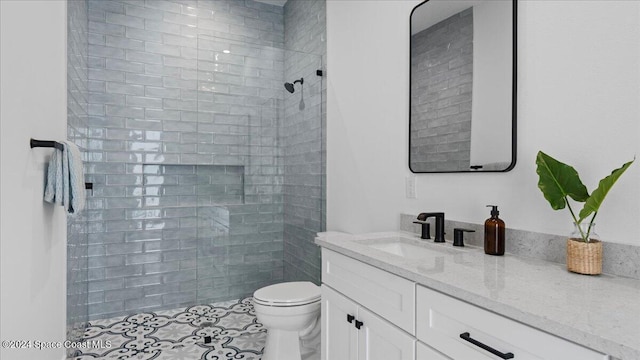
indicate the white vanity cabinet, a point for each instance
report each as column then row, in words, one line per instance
column 424, row 352
column 357, row 334
column 362, row 307
column 389, row 296
column 339, row 334
column 464, row 331
column 372, row 314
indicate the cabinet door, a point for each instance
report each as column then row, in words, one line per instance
column 423, row 352
column 339, row 337
column 379, row 340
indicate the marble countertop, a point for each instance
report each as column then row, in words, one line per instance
column 599, row 312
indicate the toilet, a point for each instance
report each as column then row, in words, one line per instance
column 291, row 313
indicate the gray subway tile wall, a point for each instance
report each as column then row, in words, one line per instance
column 77, row 130
column 441, row 81
column 303, row 139
column 184, row 152
column 195, row 152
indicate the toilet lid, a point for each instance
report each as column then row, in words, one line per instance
column 288, row 293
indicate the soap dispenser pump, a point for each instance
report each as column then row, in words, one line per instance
column 494, row 233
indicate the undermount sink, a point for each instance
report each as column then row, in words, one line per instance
column 407, row 248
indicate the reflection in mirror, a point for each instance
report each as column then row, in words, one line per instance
column 462, row 103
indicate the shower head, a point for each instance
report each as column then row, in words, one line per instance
column 289, row 86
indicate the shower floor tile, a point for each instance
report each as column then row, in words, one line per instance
column 221, row 331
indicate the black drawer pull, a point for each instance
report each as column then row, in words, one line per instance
column 467, row 337
column 350, row 318
column 359, row 324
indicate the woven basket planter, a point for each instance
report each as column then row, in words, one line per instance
column 584, row 258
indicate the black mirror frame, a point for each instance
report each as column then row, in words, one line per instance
column 514, row 81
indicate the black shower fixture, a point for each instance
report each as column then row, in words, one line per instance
column 289, row 86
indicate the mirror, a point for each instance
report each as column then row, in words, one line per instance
column 463, row 86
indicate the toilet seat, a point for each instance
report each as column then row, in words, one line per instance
column 288, row 294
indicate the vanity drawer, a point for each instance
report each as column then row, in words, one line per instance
column 441, row 320
column 424, row 352
column 385, row 294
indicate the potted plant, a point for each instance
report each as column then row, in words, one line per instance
column 559, row 182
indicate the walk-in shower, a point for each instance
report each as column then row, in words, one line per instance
column 208, row 176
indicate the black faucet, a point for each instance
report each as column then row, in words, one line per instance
column 439, row 224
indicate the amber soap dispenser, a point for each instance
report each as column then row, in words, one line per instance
column 494, row 233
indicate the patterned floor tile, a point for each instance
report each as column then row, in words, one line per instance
column 221, row 331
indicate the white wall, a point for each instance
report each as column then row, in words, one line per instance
column 578, row 100
column 33, row 234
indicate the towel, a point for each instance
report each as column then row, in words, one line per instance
column 65, row 179
column 78, row 194
column 53, row 187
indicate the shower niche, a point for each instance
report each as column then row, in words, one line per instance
column 173, row 185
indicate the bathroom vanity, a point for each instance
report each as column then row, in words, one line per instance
column 393, row 296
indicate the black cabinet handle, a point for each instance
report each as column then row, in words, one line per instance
column 350, row 318
column 359, row 324
column 467, row 337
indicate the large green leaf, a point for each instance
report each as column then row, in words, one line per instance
column 559, row 180
column 597, row 197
